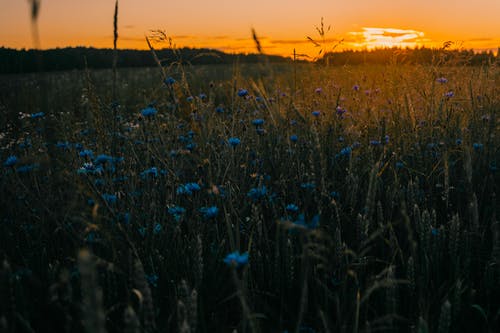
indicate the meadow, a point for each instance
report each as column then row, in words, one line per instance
column 251, row 198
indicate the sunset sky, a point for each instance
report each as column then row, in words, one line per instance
column 282, row 25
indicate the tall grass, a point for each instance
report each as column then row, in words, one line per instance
column 365, row 198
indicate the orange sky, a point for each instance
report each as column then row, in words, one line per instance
column 282, row 25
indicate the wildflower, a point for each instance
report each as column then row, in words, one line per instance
column 219, row 109
column 242, row 92
column 150, row 172
column 11, row 161
column 37, row 115
column 149, row 111
column 374, row 142
column 292, row 208
column 188, row 188
column 294, row 138
column 346, row 151
column 237, row 260
column 449, row 94
column 209, row 212
column 316, row 113
column 109, row 198
column 335, row 195
column 190, row 99
column 442, row 80
column 86, row 153
column 27, row 168
column 258, row 122
column 103, row 158
column 340, row 111
column 458, row 142
column 169, row 80
column 157, row 228
column 386, row 139
column 318, row 90
column 355, row 87
column 202, row 96
column 234, row 141
column 176, row 212
column 477, row 146
column 257, row 193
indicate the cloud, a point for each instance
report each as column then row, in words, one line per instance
column 372, row 37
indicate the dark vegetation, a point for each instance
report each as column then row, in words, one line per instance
column 26, row 61
column 365, row 198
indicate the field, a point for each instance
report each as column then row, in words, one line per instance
column 251, row 198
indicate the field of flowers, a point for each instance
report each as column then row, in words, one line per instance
column 290, row 198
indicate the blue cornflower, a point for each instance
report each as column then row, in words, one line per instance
column 202, row 96
column 149, row 111
column 103, row 158
column 257, row 193
column 109, row 198
column 37, row 115
column 258, row 122
column 209, row 212
column 11, row 161
column 190, row 99
column 176, row 212
column 242, row 92
column 153, row 171
column 318, row 90
column 169, row 80
column 292, row 208
column 188, row 188
column 27, row 168
column 449, row 94
column 294, row 138
column 346, row 151
column 234, row 141
column 86, row 153
column 442, row 80
column 157, row 228
column 219, row 109
column 235, row 259
column 477, row 146
column 374, row 142
column 458, row 142
column 355, row 87
column 316, row 113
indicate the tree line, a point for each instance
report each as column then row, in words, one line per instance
column 61, row 59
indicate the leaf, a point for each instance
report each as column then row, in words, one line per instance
column 481, row 311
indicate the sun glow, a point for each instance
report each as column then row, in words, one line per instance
column 371, row 38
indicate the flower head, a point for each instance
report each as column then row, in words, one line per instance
column 149, row 111
column 235, row 259
column 258, row 122
column 11, row 161
column 209, row 212
column 234, row 141
column 242, row 92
